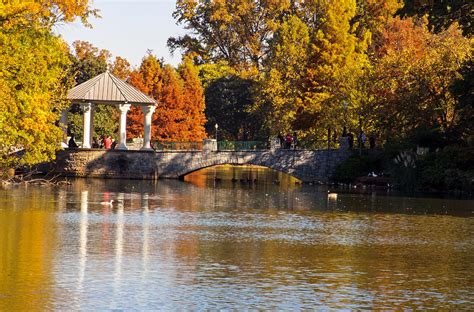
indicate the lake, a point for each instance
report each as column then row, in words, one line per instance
column 231, row 238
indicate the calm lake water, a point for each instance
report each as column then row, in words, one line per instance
column 260, row 242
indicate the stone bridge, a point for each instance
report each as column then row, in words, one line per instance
column 306, row 165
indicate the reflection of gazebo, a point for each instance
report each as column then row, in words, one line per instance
column 110, row 90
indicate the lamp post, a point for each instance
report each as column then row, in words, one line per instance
column 217, row 127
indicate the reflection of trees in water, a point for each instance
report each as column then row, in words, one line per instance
column 246, row 176
column 28, row 242
column 188, row 235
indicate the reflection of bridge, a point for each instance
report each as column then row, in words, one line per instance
column 306, row 165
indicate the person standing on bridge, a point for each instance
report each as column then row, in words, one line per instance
column 289, row 141
column 295, row 140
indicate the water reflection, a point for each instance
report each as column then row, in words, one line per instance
column 245, row 176
column 83, row 238
column 28, row 236
column 146, row 234
column 173, row 245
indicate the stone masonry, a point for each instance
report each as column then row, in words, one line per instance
column 306, row 165
column 101, row 163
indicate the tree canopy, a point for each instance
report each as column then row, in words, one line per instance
column 179, row 115
column 318, row 65
column 33, row 66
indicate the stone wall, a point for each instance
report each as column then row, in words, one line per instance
column 102, row 163
column 308, row 166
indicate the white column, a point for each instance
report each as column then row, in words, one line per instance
column 91, row 137
column 87, row 107
column 148, row 112
column 124, row 108
column 63, row 123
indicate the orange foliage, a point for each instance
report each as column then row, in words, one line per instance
column 415, row 72
column 194, row 103
column 179, row 115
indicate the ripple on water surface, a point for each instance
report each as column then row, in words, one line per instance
column 174, row 246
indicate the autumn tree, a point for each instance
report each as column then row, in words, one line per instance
column 32, row 69
column 171, row 117
column 45, row 13
column 235, row 31
column 148, row 79
column 372, row 16
column 88, row 61
column 193, row 98
column 315, row 61
column 179, row 115
column 416, row 70
column 121, row 68
column 283, row 83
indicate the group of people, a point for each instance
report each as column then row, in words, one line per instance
column 289, row 141
column 361, row 139
column 107, row 142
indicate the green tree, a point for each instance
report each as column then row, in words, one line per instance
column 210, row 72
column 229, row 103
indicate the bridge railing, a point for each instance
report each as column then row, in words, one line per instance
column 177, row 146
column 242, row 145
column 318, row 145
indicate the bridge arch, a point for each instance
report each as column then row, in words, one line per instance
column 204, row 165
column 305, row 165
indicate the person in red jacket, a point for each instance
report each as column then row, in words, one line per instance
column 107, row 142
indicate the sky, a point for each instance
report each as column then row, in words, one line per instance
column 128, row 28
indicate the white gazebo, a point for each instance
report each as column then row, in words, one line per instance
column 106, row 89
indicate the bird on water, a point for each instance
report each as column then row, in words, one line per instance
column 332, row 196
column 107, row 203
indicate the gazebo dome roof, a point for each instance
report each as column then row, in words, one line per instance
column 108, row 89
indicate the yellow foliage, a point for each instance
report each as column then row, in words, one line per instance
column 32, row 66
